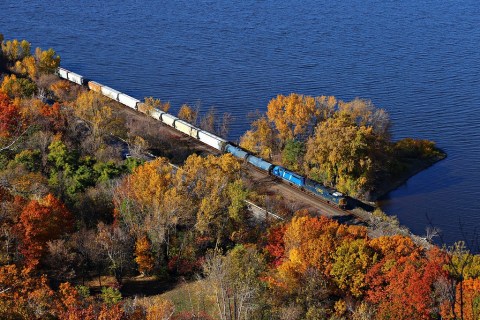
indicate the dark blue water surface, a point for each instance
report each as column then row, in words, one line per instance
column 419, row 60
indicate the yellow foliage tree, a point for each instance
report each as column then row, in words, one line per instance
column 152, row 103
column 297, row 115
column 345, row 155
column 15, row 50
column 47, row 60
column 364, row 113
column 148, row 183
column 95, row 108
column 188, row 114
column 27, row 67
column 208, row 182
column 18, row 87
column 147, row 202
column 205, row 194
column 160, row 310
column 260, row 139
column 351, row 261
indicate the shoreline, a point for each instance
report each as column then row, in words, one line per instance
column 416, row 166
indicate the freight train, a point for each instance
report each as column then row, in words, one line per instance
column 212, row 140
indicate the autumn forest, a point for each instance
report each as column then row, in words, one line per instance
column 88, row 233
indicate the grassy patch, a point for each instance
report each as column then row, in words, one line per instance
column 196, row 297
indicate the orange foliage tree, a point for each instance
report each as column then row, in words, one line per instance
column 143, row 253
column 402, row 288
column 471, row 299
column 65, row 90
column 72, row 305
column 23, row 296
column 188, row 114
column 311, row 243
column 384, row 278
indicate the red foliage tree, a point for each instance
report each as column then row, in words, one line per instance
column 9, row 116
column 275, row 244
column 40, row 222
column 402, row 289
column 53, row 115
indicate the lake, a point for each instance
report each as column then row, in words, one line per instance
column 419, row 60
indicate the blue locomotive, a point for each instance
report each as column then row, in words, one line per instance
column 328, row 194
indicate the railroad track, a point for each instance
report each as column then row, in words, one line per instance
column 318, row 203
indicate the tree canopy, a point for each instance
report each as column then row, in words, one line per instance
column 346, row 145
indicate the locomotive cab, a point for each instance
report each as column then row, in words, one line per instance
column 342, row 200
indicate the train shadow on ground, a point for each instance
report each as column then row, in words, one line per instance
column 346, row 219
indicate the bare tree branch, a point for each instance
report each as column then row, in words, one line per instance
column 7, row 147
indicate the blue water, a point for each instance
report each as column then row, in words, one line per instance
column 419, row 60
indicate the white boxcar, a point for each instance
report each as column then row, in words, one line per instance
column 211, row 140
column 168, row 119
column 95, row 86
column 63, row 73
column 128, row 101
column 74, row 77
column 111, row 93
column 194, row 130
column 156, row 114
column 186, row 128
